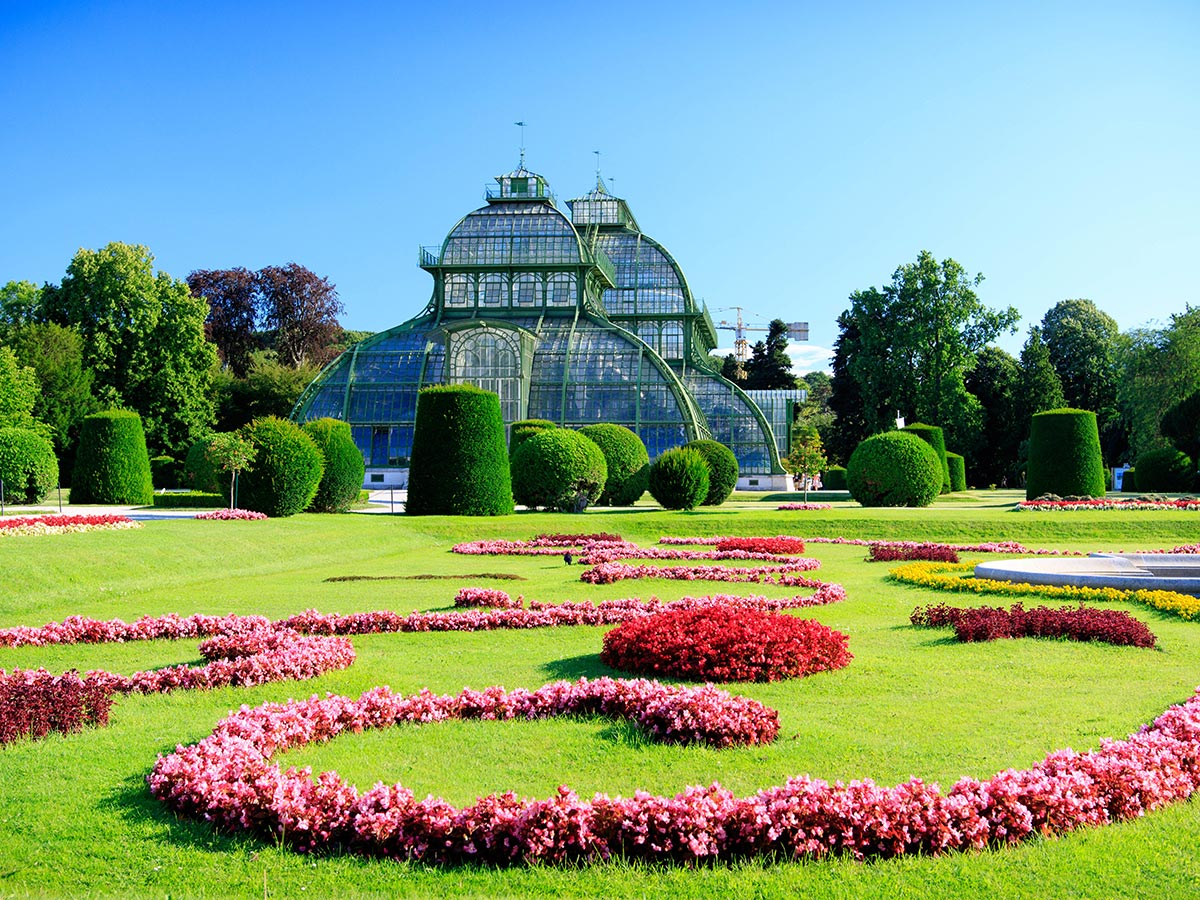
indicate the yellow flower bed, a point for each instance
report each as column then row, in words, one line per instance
column 959, row 577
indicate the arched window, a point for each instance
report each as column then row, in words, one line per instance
column 493, row 291
column 672, row 340
column 648, row 332
column 458, row 290
column 489, row 359
column 560, row 290
column 527, row 290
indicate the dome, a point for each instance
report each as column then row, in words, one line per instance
column 516, row 232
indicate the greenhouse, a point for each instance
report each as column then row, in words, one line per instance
column 577, row 318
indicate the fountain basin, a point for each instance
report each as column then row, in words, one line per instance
column 1179, row 572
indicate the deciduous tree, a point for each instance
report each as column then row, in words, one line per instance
column 55, row 354
column 232, row 298
column 302, row 310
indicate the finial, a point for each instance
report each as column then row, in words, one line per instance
column 522, row 125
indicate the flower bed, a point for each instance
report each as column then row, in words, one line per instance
column 1189, row 503
column 227, row 515
column 34, row 702
column 783, row 574
column 720, row 643
column 895, row 551
column 1080, row 623
column 26, row 525
column 486, row 597
column 775, row 545
column 228, row 779
column 795, row 507
column 987, row 547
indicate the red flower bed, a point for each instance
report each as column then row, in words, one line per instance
column 719, row 643
column 1077, row 623
column 34, row 703
column 775, row 545
column 17, row 525
column 486, row 597
column 904, row 551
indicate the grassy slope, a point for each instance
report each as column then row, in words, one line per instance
column 75, row 817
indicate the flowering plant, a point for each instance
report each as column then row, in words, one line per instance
column 811, row 507
column 774, row 545
column 899, row 551
column 225, row 515
column 1187, row 503
column 23, row 525
column 488, row 597
column 36, row 702
column 1081, row 623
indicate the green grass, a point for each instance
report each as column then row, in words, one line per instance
column 76, row 819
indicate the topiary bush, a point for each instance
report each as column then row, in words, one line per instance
column 558, row 469
column 286, row 472
column 344, row 465
column 199, row 473
column 1165, row 470
column 627, row 460
column 933, row 436
column 896, row 468
column 834, row 478
column 459, row 463
column 28, row 466
column 523, row 430
column 722, row 470
column 164, row 472
column 112, row 465
column 1129, row 481
column 679, row 479
column 1064, row 455
column 958, row 471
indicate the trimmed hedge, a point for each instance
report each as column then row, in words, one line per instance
column 834, row 478
column 896, row 468
column 1129, row 481
column 112, row 464
column 286, row 472
column 1166, row 470
column 679, row 479
column 722, row 470
column 627, row 460
column 523, row 430
column 459, row 462
column 199, row 473
column 344, row 465
column 958, row 471
column 934, row 437
column 28, row 466
column 164, row 472
column 558, row 469
column 1064, row 455
column 190, row 500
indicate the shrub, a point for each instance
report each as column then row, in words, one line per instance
column 459, row 463
column 933, row 436
column 895, row 468
column 627, row 460
column 1064, row 455
column 344, row 465
column 525, row 429
column 720, row 643
column 722, row 470
column 112, row 465
column 958, row 471
column 558, row 469
column 190, row 500
column 1166, row 469
column 164, row 472
column 28, row 466
column 834, row 478
column 286, row 472
column 199, row 473
column 679, row 479
column 1181, row 425
column 1129, row 481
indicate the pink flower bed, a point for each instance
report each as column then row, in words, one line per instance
column 1077, row 623
column 1188, row 503
column 721, row 643
column 228, row 779
column 227, row 515
column 987, row 547
column 23, row 525
column 486, row 597
column 800, row 507
column 34, row 702
column 782, row 574
column 886, row 551
column 774, row 545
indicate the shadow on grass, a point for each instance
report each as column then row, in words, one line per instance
column 575, row 667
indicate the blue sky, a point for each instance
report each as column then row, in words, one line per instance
column 787, row 154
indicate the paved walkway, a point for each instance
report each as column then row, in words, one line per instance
column 380, row 502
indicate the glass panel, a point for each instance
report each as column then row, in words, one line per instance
column 493, row 290
column 560, row 290
column 527, row 290
column 491, row 360
column 458, row 290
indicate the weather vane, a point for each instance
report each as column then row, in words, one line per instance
column 522, row 125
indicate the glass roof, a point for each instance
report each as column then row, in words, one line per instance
column 512, row 233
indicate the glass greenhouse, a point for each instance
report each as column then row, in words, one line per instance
column 577, row 318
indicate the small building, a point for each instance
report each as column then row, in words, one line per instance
column 577, row 317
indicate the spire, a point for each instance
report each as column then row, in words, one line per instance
column 521, row 165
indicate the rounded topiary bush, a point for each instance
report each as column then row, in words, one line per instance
column 1129, row 481
column 344, row 465
column 558, row 469
column 112, row 465
column 722, row 470
column 679, row 479
column 286, row 472
column 523, row 430
column 1064, row 455
column 834, row 478
column 627, row 460
column 934, row 437
column 1164, row 470
column 164, row 472
column 28, row 466
column 958, row 471
column 896, row 468
column 459, row 462
column 199, row 473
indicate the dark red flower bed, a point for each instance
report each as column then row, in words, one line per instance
column 34, row 703
column 906, row 551
column 779, row 545
column 719, row 643
column 575, row 539
column 1076, row 623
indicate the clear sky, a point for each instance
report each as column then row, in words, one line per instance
column 787, row 154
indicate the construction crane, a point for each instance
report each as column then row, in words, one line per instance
column 797, row 331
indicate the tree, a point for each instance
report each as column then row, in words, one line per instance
column 815, row 412
column 995, row 381
column 143, row 336
column 1040, row 386
column 18, row 391
column 733, row 370
column 807, row 458
column 55, row 354
column 1159, row 368
column 232, row 298
column 269, row 389
column 20, row 304
column 769, row 367
column 302, row 309
column 230, row 453
column 846, row 396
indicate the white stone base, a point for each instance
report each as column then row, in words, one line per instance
column 766, row 483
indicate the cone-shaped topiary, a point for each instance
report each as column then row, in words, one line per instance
column 112, row 465
column 958, row 471
column 523, row 430
column 896, row 468
column 834, row 478
column 722, row 470
column 933, row 436
column 1165, row 470
column 344, row 465
column 28, row 466
column 627, row 460
column 558, row 469
column 1064, row 455
column 459, row 462
column 286, row 472
column 679, row 479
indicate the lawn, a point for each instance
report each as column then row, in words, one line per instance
column 78, row 820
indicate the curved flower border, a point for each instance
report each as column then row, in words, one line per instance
column 64, row 524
